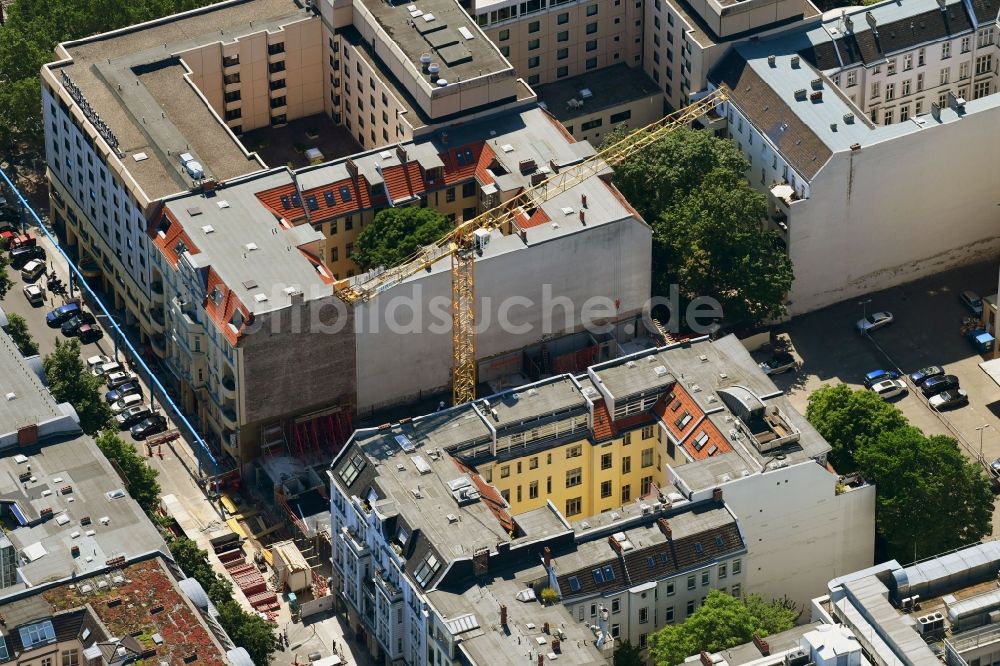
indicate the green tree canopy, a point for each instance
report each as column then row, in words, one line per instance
column 721, row 622
column 17, row 328
column 627, row 654
column 930, row 497
column 140, row 478
column 850, row 420
column 69, row 382
column 27, row 40
column 397, row 233
column 5, row 282
column 691, row 187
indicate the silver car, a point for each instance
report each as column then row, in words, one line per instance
column 874, row 321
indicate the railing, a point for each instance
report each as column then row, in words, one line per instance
column 201, row 448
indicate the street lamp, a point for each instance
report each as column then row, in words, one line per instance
column 981, row 430
column 864, row 307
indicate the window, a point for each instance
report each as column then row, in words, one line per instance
column 234, row 114
column 469, row 190
column 562, row 36
column 643, row 615
column 670, row 614
column 966, row 44
column 647, row 431
column 920, row 81
column 279, row 84
column 233, row 96
column 533, row 44
column 943, row 100
column 904, row 112
column 737, row 590
column 890, row 67
column 945, row 75
column 647, row 457
column 449, row 194
column 548, row 485
column 533, row 490
column 907, row 61
column 921, row 57
column 591, row 124
column 690, row 606
column 875, row 89
column 276, row 48
column 626, row 464
column 626, row 493
column 573, row 506
column 533, row 62
column 574, row 585
column 963, row 70
column 591, row 63
column 981, row 89
column 574, row 477
column 562, row 19
column 606, row 461
column 562, row 54
column 278, row 102
column 534, row 26
column 276, row 67
column 605, row 489
column 592, row 45
column 616, row 630
column 229, row 61
column 626, row 439
column 574, row 451
column 616, row 606
column 70, row 657
column 231, row 78
column 562, row 72
column 504, row 35
column 505, row 471
column 591, row 28
column 533, row 461
column 946, row 50
column 643, row 641
column 890, row 91
column 984, row 64
column 918, row 107
column 737, row 567
column 985, row 37
column 428, row 567
column 722, row 571
column 691, row 582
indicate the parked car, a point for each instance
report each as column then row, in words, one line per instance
column 34, row 293
column 876, row 376
column 777, row 364
column 71, row 326
column 888, row 389
column 33, row 270
column 923, row 374
column 106, row 369
column 98, row 359
column 995, row 467
column 125, row 402
column 935, row 385
column 87, row 334
column 62, row 314
column 132, row 415
column 22, row 255
column 972, row 301
column 151, row 425
column 873, row 322
column 119, row 377
column 948, row 399
column 132, row 388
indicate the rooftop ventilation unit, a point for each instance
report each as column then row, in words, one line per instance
column 660, row 370
column 849, row 118
column 800, row 94
column 771, row 60
column 795, row 62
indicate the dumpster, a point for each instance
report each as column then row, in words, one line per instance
column 981, row 340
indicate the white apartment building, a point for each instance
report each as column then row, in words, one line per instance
column 836, row 121
column 424, row 516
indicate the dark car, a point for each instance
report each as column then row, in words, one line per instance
column 22, row 255
column 71, row 326
column 935, row 385
column 87, row 334
column 876, row 376
column 62, row 314
column 972, row 301
column 132, row 388
column 151, row 425
column 923, row 374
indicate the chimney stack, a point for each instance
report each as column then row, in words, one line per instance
column 872, row 23
column 556, row 646
column 941, row 4
column 583, row 200
column 936, row 111
column 541, row 659
column 706, row 658
column 665, row 527
column 583, row 217
column 615, row 546
column 503, row 615
column 352, row 168
column 547, row 557
column 763, row 646
column 717, row 495
column 848, row 23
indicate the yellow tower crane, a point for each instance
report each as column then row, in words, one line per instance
column 459, row 244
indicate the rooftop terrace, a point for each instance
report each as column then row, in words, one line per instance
column 609, row 87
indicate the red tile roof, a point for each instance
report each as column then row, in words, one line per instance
column 404, row 181
column 490, row 496
column 168, row 242
column 359, row 190
column 691, row 435
column 485, row 159
column 602, row 422
column 538, row 218
column 460, row 169
column 273, row 199
column 222, row 313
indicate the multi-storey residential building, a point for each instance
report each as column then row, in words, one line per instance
column 830, row 118
column 636, row 486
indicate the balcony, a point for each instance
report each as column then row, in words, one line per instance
column 228, row 415
column 159, row 344
column 157, row 323
column 357, row 548
column 228, row 387
column 156, row 288
column 392, row 593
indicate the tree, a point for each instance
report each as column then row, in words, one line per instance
column 248, row 631
column 627, row 654
column 397, row 233
column 193, row 561
column 850, row 420
column 140, row 478
column 70, row 382
column 17, row 328
column 691, row 187
column 931, row 499
column 5, row 282
column 720, row 623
